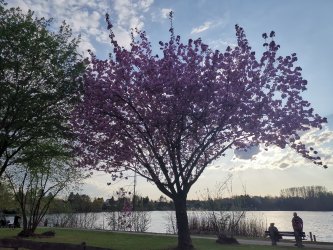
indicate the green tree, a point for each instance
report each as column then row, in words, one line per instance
column 58, row 206
column 39, row 82
column 97, row 204
column 7, row 201
column 80, row 203
column 37, row 181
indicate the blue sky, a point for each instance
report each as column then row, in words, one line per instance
column 301, row 26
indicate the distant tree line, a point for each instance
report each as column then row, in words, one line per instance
column 81, row 203
column 309, row 198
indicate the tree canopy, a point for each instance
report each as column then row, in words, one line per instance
column 168, row 116
column 37, row 181
column 39, row 81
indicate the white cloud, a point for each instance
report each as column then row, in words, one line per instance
column 127, row 16
column 201, row 28
column 86, row 45
column 83, row 16
column 276, row 158
column 165, row 13
column 129, row 13
column 283, row 165
column 222, row 43
column 86, row 17
column 160, row 15
column 23, row 6
column 145, row 4
column 219, row 22
column 247, row 153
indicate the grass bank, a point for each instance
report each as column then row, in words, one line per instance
column 129, row 241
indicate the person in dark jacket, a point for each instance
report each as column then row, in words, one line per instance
column 274, row 234
column 297, row 224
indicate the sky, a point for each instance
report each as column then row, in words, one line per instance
column 301, row 26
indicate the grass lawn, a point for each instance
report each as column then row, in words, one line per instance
column 128, row 241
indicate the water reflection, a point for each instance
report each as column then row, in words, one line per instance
column 319, row 223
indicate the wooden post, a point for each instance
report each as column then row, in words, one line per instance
column 314, row 238
column 311, row 236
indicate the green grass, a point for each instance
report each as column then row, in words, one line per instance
column 128, row 241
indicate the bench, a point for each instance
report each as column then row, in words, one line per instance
column 288, row 234
column 6, row 223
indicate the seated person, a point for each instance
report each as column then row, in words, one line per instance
column 274, row 234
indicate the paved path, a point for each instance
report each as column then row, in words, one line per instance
column 287, row 244
column 268, row 243
column 308, row 245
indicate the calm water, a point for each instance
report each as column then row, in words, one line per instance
column 319, row 223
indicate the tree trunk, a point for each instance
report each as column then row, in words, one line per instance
column 184, row 238
column 34, row 225
column 24, row 221
column 26, row 230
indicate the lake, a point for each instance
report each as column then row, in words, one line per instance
column 319, row 223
